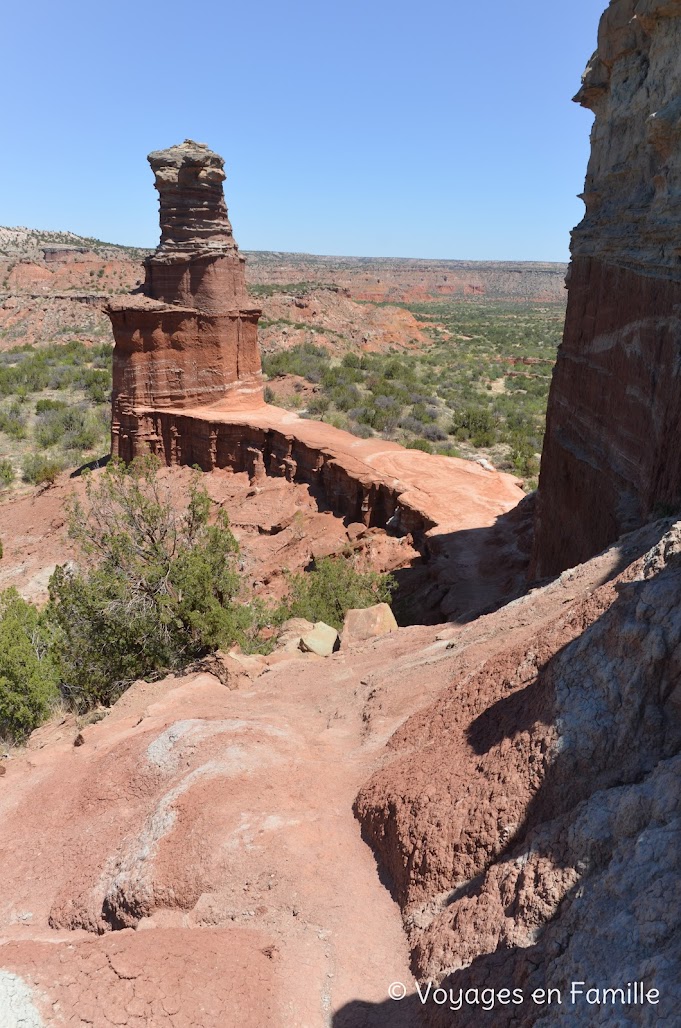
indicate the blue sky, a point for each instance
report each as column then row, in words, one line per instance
column 425, row 129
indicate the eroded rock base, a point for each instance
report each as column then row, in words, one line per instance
column 468, row 523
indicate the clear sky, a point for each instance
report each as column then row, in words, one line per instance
column 434, row 128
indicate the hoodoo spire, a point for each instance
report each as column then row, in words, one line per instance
column 190, row 339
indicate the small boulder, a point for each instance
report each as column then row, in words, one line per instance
column 368, row 623
column 322, row 640
column 252, row 663
column 291, row 633
column 295, row 626
column 356, row 530
column 327, row 546
column 227, row 669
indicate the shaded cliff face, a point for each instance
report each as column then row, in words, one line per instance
column 611, row 447
column 529, row 819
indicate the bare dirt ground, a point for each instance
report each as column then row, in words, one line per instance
column 200, row 836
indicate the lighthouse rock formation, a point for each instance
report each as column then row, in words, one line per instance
column 190, row 338
column 187, row 387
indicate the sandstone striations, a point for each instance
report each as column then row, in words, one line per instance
column 191, row 337
column 611, row 446
column 529, row 820
column 187, row 387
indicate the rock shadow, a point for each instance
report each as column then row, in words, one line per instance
column 611, row 691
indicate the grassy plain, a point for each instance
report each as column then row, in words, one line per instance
column 478, row 389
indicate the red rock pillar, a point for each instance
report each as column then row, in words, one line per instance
column 190, row 338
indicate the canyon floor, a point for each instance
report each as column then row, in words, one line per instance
column 199, row 855
column 486, row 798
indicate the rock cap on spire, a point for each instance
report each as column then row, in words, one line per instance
column 193, row 213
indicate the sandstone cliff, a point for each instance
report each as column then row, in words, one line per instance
column 528, row 818
column 611, row 447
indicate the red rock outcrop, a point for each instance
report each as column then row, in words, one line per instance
column 528, row 812
column 527, row 807
column 614, row 416
column 191, row 337
column 187, row 387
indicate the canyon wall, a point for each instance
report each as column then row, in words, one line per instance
column 528, row 821
column 190, row 336
column 611, row 456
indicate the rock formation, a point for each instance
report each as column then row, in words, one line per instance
column 197, row 847
column 529, row 819
column 517, row 776
column 611, row 455
column 187, row 387
column 191, row 336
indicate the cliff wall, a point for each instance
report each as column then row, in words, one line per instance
column 611, row 455
column 530, row 815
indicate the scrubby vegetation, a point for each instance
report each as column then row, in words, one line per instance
column 333, row 587
column 156, row 589
column 28, row 676
column 157, row 585
column 54, row 408
column 481, row 386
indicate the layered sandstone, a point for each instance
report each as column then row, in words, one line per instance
column 611, row 446
column 469, row 523
column 530, row 815
column 191, row 336
column 187, row 388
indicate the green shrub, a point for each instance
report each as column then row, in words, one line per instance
column 318, row 406
column 157, row 586
column 307, row 360
column 6, row 473
column 13, row 421
column 40, row 469
column 97, row 385
column 74, row 427
column 334, row 586
column 44, row 405
column 362, row 431
column 524, row 460
column 28, row 680
column 420, row 444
